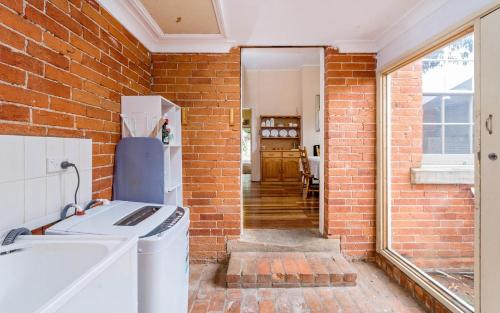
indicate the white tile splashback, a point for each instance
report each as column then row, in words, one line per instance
column 29, row 195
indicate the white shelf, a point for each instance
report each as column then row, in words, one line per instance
column 172, row 187
column 143, row 111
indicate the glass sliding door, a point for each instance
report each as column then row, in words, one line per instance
column 430, row 213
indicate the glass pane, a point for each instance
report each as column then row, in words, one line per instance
column 457, row 109
column 432, row 109
column 457, row 139
column 432, row 139
column 246, row 144
column 449, row 68
column 432, row 224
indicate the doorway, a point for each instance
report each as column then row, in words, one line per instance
column 282, row 136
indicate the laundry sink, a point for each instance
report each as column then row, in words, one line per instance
column 74, row 274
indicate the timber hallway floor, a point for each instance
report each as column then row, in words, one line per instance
column 278, row 206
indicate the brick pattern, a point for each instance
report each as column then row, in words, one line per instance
column 432, row 225
column 350, row 135
column 288, row 270
column 415, row 291
column 208, row 85
column 374, row 293
column 65, row 64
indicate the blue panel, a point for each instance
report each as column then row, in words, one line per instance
column 139, row 170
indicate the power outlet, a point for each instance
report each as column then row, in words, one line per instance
column 54, row 165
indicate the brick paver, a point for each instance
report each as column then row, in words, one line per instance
column 374, row 293
column 288, row 270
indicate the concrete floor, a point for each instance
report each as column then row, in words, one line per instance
column 375, row 293
column 283, row 240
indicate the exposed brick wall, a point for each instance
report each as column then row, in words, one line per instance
column 350, row 151
column 417, row 292
column 432, row 225
column 209, row 86
column 64, row 66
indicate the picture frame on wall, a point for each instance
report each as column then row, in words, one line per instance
column 316, row 113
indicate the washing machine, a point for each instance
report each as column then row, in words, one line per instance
column 163, row 247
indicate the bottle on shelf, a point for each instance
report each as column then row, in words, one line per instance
column 165, row 133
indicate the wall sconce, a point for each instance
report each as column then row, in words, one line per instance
column 231, row 117
column 184, row 113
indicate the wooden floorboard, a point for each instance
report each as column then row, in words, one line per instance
column 278, row 206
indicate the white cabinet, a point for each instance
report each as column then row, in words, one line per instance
column 142, row 116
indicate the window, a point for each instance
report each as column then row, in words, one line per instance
column 428, row 212
column 246, row 143
column 447, row 96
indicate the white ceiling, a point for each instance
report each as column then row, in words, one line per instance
column 311, row 22
column 183, row 16
column 279, row 58
column 351, row 26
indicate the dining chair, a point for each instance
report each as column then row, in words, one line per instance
column 308, row 183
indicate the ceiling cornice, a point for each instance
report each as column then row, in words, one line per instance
column 420, row 11
column 137, row 20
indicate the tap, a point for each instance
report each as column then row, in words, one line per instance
column 13, row 234
column 94, row 202
column 64, row 211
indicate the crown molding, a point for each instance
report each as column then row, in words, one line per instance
column 137, row 20
column 406, row 21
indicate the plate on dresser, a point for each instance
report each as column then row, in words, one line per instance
column 266, row 133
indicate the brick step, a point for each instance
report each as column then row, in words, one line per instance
column 288, row 270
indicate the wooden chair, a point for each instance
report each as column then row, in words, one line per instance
column 308, row 180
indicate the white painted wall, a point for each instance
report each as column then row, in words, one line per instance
column 281, row 92
column 419, row 28
column 270, row 92
column 310, row 88
column 30, row 195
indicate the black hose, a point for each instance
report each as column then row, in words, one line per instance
column 90, row 204
column 65, row 165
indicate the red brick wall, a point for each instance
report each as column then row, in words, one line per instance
column 432, row 225
column 350, row 151
column 209, row 86
column 64, row 65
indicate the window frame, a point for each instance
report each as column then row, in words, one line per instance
column 383, row 221
column 466, row 159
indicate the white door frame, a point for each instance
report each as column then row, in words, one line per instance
column 322, row 135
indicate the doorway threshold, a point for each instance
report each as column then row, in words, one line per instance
column 281, row 240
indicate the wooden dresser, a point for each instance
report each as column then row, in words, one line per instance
column 280, row 166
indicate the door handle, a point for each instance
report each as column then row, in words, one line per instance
column 489, row 124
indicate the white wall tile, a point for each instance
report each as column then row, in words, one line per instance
column 72, row 150
column 11, row 158
column 28, row 195
column 36, row 165
column 11, row 204
column 55, row 194
column 34, row 195
column 69, row 185
column 85, row 154
column 55, row 147
column 85, row 194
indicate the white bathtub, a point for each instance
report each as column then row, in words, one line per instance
column 69, row 274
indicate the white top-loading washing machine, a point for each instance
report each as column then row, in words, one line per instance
column 163, row 247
